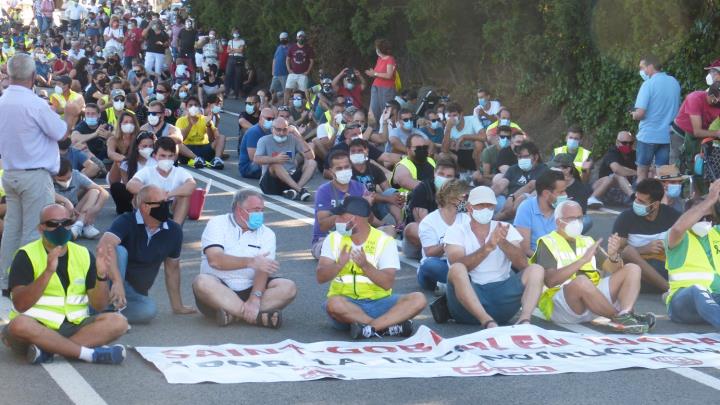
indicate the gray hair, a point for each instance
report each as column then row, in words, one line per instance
column 21, row 67
column 567, row 203
column 242, row 195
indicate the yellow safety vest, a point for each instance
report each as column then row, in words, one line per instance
column 564, row 255
column 55, row 305
column 112, row 118
column 411, row 167
column 581, row 155
column 496, row 124
column 63, row 101
column 696, row 269
column 107, row 10
column 351, row 281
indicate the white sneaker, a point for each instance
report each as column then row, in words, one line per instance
column 594, row 202
column 77, row 229
column 90, row 232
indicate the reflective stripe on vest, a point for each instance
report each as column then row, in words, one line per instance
column 351, row 281
column 581, row 155
column 696, row 268
column 564, row 255
column 56, row 304
column 411, row 168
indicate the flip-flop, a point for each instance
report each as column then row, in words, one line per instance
column 269, row 319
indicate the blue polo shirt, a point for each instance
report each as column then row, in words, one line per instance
column 249, row 140
column 280, row 55
column 529, row 216
column 146, row 250
column 659, row 96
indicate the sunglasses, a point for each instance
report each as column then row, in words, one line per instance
column 54, row 223
column 155, row 113
column 153, row 202
column 407, row 119
column 160, row 91
column 119, row 99
column 505, row 136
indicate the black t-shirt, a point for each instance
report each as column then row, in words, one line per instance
column 173, row 105
column 506, row 157
column 372, row 177
column 97, row 145
column 425, row 171
column 613, row 155
column 251, row 118
column 186, row 40
column 88, row 95
column 518, row 178
column 579, row 192
column 21, row 271
column 629, row 223
column 152, row 38
column 422, row 196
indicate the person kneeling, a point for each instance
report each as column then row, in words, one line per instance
column 238, row 260
column 50, row 313
column 576, row 292
column 360, row 262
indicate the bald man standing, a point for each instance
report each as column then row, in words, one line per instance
column 52, row 280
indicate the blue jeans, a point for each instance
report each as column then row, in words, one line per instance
column 694, row 305
column 373, row 309
column 381, row 210
column 501, row 300
column 140, row 308
column 432, row 270
column 645, row 152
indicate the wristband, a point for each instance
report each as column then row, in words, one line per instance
column 97, row 277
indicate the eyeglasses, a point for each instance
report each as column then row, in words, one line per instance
column 283, row 108
column 54, row 223
column 505, row 136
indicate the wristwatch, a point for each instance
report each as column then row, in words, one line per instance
column 258, row 294
column 97, row 277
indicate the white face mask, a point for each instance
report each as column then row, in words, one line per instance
column 58, row 90
column 574, row 228
column 64, row 184
column 159, row 97
column 194, row 111
column 344, row 176
column 118, row 105
column 709, row 79
column 127, row 128
column 338, row 118
column 146, row 152
column 341, row 228
column 357, row 158
column 701, row 229
column 153, row 119
column 165, row 165
column 483, row 216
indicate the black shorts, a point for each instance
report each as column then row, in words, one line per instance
column 244, row 295
column 204, row 151
column 465, row 159
column 271, row 185
column 67, row 329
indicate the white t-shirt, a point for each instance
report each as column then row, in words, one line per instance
column 496, row 266
column 223, row 231
column 471, row 127
column 389, row 257
column 494, row 108
column 150, row 175
column 140, row 165
column 432, row 230
column 114, row 35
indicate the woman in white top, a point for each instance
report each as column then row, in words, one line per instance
column 139, row 156
column 114, row 38
column 433, row 266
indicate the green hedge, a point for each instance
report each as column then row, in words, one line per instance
column 579, row 57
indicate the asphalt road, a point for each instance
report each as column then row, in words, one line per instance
column 138, row 382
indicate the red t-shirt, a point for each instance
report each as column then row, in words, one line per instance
column 300, row 58
column 355, row 94
column 696, row 103
column 381, row 66
column 133, row 43
column 59, row 64
column 223, row 58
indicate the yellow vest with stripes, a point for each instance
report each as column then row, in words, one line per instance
column 55, row 305
column 564, row 255
column 351, row 281
column 62, row 101
column 410, row 165
column 696, row 269
column 581, row 155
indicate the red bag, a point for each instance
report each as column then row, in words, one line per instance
column 197, row 201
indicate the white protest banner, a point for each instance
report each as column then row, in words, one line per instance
column 517, row 350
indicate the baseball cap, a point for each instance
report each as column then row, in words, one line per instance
column 562, row 160
column 283, row 35
column 715, row 65
column 300, row 34
column 353, row 205
column 117, row 93
column 482, row 195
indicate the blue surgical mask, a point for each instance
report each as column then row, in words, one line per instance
column 640, row 209
column 249, row 108
column 59, row 236
column 267, row 124
column 255, row 220
column 439, row 181
column 183, row 94
column 559, row 200
column 674, row 190
column 504, row 142
column 644, row 75
column 525, row 164
column 482, row 102
column 435, row 125
column 573, row 144
column 150, row 91
column 297, row 103
column 216, row 109
column 91, row 121
column 407, row 125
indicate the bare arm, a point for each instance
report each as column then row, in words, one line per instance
column 219, row 260
column 172, row 284
column 525, row 244
column 456, row 254
column 698, row 130
column 693, row 216
column 621, row 170
column 185, row 190
column 404, row 179
column 134, row 185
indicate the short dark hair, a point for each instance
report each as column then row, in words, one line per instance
column 652, row 60
column 337, row 155
column 360, row 142
column 651, row 187
column 547, row 180
column 93, row 106
column 447, row 160
column 406, row 111
column 65, row 167
column 530, row 147
column 575, row 129
column 454, row 107
column 192, row 98
column 166, row 143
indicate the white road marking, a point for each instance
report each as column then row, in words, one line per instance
column 72, row 383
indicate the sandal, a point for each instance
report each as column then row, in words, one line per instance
column 269, row 319
column 486, row 323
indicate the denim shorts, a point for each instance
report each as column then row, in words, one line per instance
column 646, row 151
column 501, row 300
column 373, row 309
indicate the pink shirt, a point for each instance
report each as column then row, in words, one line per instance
column 696, row 103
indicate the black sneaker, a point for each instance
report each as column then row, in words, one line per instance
column 404, row 329
column 360, row 330
column 439, row 309
column 304, row 194
column 290, row 194
column 36, row 355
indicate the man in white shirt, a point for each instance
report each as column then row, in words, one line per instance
column 75, row 13
column 238, row 260
column 177, row 182
column 482, row 287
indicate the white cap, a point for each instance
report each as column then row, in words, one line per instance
column 283, row 35
column 300, row 34
column 482, row 195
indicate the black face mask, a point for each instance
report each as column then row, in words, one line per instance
column 421, row 154
column 161, row 212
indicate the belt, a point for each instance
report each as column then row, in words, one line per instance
column 677, row 129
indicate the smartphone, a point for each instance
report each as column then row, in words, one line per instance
column 289, row 155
